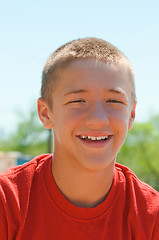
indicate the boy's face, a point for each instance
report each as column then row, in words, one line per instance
column 91, row 113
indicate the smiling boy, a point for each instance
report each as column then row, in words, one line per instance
column 88, row 99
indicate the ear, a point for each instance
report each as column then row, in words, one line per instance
column 44, row 113
column 132, row 116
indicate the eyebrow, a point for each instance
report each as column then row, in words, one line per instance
column 76, row 91
column 113, row 90
column 118, row 91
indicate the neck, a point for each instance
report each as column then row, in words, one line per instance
column 82, row 187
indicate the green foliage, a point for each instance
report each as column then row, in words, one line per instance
column 140, row 151
column 30, row 137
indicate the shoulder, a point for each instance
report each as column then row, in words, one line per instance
column 141, row 202
column 22, row 174
column 26, row 167
column 16, row 183
column 15, row 190
column 137, row 190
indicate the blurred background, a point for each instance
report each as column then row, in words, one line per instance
column 31, row 30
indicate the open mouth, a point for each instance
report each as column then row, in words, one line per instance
column 95, row 142
column 94, row 139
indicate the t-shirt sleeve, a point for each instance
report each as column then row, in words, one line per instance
column 155, row 235
column 3, row 223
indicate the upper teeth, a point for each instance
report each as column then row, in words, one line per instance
column 95, row 138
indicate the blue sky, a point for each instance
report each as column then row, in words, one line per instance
column 32, row 30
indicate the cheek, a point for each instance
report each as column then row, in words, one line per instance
column 67, row 122
column 120, row 113
column 72, row 116
column 119, row 120
column 120, row 126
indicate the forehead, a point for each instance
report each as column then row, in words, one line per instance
column 92, row 74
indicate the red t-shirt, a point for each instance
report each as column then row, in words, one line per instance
column 33, row 208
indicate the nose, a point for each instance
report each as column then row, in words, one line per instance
column 97, row 116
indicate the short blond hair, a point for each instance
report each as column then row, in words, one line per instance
column 83, row 48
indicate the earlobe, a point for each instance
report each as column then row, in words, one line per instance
column 132, row 116
column 44, row 113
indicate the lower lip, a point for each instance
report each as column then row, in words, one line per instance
column 95, row 144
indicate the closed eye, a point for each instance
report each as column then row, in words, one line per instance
column 114, row 101
column 77, row 101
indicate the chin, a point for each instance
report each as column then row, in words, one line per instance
column 97, row 164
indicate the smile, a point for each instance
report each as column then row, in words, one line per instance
column 94, row 138
column 95, row 141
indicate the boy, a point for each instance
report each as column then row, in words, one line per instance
column 88, row 99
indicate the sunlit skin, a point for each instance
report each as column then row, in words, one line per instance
column 92, row 100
